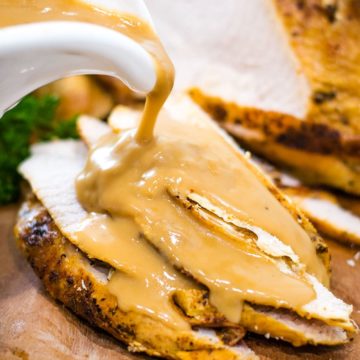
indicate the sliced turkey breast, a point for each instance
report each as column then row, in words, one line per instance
column 316, row 153
column 327, row 213
column 238, row 51
column 334, row 214
column 51, row 172
column 325, row 38
column 280, row 75
column 80, row 284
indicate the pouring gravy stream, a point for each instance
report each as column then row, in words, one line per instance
column 13, row 12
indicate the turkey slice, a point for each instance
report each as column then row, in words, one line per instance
column 53, row 168
column 278, row 75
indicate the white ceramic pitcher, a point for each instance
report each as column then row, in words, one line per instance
column 36, row 54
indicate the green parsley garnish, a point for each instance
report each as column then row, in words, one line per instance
column 32, row 119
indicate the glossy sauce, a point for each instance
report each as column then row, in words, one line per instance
column 187, row 156
column 142, row 281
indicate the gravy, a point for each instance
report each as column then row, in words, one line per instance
column 147, row 182
column 142, row 280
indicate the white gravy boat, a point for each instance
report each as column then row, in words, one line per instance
column 36, row 54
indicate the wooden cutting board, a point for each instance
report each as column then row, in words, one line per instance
column 33, row 326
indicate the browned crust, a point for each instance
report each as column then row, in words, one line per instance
column 65, row 273
column 318, row 138
column 317, row 153
column 325, row 36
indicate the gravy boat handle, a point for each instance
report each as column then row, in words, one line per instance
column 33, row 55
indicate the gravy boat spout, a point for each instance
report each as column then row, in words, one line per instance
column 35, row 54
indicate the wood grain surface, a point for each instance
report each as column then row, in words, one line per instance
column 33, row 326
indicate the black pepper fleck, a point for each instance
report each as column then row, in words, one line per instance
column 319, row 97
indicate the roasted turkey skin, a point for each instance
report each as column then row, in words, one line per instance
column 317, row 153
column 79, row 283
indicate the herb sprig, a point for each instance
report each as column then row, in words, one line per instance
column 32, row 119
